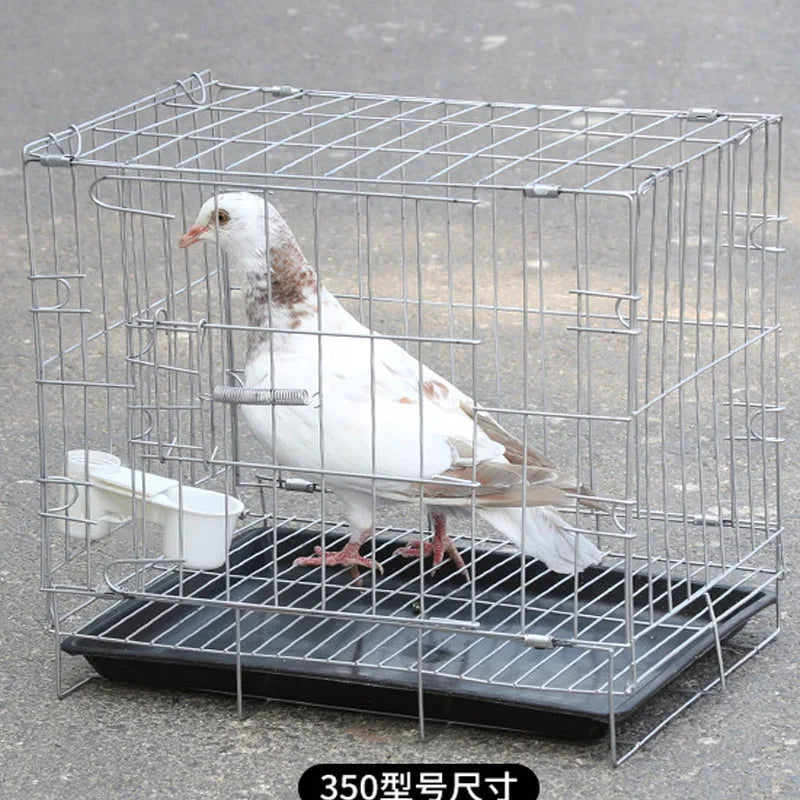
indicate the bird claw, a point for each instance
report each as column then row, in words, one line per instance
column 413, row 550
column 347, row 557
column 439, row 546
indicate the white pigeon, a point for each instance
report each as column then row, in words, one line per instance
column 365, row 379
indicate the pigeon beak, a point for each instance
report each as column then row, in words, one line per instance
column 192, row 235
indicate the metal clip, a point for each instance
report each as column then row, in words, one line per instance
column 702, row 114
column 297, row 485
column 283, row 91
column 542, row 190
column 57, row 160
column 712, row 521
column 539, row 641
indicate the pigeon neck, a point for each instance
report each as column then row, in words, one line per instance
column 283, row 295
column 289, row 283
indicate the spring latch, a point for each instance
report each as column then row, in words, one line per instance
column 251, row 396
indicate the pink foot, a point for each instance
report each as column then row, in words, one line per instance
column 444, row 544
column 346, row 557
column 440, row 544
column 412, row 550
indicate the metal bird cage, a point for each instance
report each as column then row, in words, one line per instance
column 603, row 281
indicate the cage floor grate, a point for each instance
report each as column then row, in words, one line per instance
column 359, row 664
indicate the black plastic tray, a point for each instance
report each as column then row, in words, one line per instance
column 136, row 639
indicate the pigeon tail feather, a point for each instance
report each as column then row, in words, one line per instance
column 547, row 537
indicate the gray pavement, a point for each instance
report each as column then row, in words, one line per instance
column 65, row 62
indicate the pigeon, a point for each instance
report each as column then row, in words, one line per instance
column 381, row 421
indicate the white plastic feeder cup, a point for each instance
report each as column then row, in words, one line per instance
column 99, row 463
column 206, row 530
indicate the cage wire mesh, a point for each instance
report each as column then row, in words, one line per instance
column 604, row 282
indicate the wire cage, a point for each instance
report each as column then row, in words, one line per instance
column 603, row 282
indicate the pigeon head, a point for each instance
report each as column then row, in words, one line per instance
column 235, row 220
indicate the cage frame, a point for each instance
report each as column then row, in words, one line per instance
column 67, row 149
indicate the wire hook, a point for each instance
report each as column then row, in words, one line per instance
column 762, row 244
column 121, row 209
column 57, row 142
column 624, row 321
column 68, row 483
column 188, row 93
column 59, row 305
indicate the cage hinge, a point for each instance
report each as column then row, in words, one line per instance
column 702, row 114
column 56, row 159
column 283, row 91
column 542, row 190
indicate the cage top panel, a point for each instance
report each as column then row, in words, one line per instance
column 206, row 126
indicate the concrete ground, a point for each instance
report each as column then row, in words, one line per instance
column 66, row 62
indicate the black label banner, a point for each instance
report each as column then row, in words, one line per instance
column 418, row 782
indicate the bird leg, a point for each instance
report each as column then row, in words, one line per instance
column 348, row 556
column 440, row 544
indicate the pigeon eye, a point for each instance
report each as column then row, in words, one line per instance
column 222, row 217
